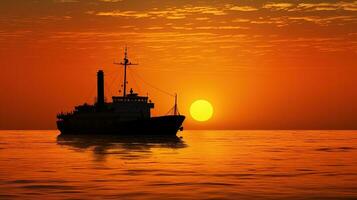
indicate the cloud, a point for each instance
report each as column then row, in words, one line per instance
column 168, row 13
column 118, row 13
column 317, row 6
column 155, row 28
column 220, row 27
column 181, row 28
column 278, row 6
column 278, row 21
column 54, row 18
column 66, row 1
column 348, row 6
column 110, row 1
column 323, row 20
column 176, row 17
column 202, row 9
column 15, row 34
column 243, row 8
column 202, row 18
column 241, row 20
column 321, row 6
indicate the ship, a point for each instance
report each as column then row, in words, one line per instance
column 127, row 114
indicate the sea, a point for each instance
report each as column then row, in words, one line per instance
column 212, row 164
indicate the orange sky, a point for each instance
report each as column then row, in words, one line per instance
column 262, row 64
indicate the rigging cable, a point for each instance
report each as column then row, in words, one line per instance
column 172, row 110
column 134, row 80
column 109, row 87
column 149, row 84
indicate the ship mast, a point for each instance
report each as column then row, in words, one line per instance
column 175, row 107
column 125, row 63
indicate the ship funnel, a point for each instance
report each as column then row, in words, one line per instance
column 100, row 88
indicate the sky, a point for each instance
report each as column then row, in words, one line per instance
column 262, row 64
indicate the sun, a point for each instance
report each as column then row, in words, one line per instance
column 201, row 110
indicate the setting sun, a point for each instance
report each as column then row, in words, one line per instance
column 201, row 110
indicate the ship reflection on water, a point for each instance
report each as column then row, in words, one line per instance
column 124, row 145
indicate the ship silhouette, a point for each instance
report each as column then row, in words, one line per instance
column 129, row 114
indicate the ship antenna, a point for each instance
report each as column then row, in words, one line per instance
column 125, row 63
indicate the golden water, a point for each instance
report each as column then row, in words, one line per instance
column 201, row 165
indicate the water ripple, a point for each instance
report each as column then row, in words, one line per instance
column 201, row 165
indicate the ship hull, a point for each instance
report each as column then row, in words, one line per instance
column 163, row 125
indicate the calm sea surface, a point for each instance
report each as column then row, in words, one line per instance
column 200, row 165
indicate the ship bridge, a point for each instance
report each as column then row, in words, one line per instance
column 132, row 106
column 132, row 97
